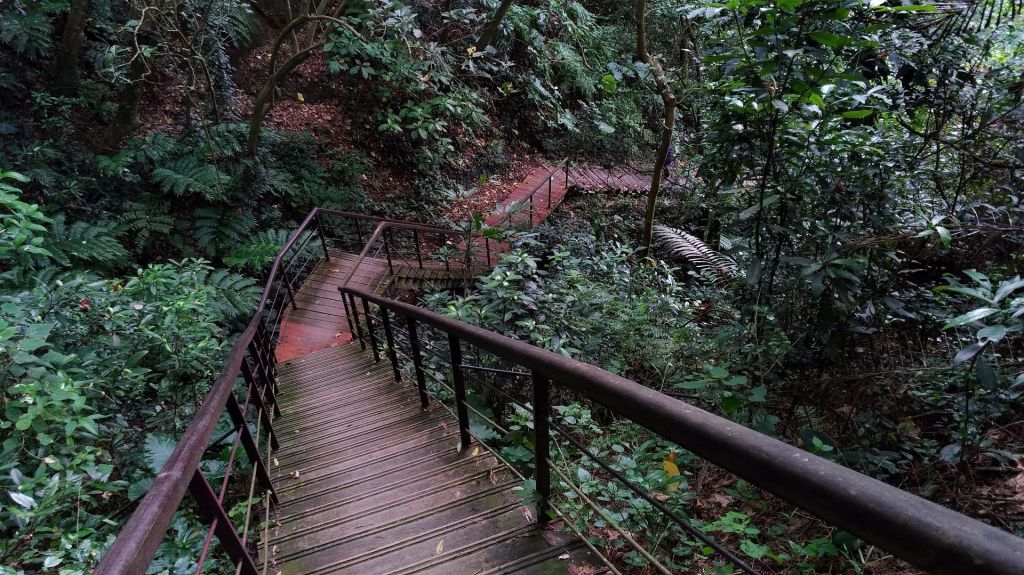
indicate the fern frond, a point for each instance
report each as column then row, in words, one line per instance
column 143, row 221
column 218, row 229
column 188, row 174
column 237, row 295
column 222, row 140
column 258, row 252
column 84, row 242
column 682, row 246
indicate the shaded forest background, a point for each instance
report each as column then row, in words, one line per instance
column 833, row 256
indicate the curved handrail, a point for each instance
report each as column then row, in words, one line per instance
column 918, row 531
column 140, row 537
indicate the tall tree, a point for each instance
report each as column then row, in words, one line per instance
column 490, row 32
column 65, row 70
column 668, row 120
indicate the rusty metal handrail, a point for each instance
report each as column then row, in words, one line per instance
column 144, row 531
column 914, row 529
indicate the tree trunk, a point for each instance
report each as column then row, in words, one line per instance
column 128, row 106
column 65, row 68
column 490, row 32
column 659, row 170
column 667, row 128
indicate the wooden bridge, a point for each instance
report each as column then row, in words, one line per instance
column 355, row 422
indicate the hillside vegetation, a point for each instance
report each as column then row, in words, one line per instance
column 830, row 252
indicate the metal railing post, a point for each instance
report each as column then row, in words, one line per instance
column 214, row 512
column 323, row 238
column 369, row 330
column 355, row 320
column 416, row 238
column 386, row 237
column 249, row 443
column 288, row 286
column 550, row 178
column 359, row 231
column 541, row 441
column 261, row 405
column 459, row 384
column 389, row 337
column 348, row 315
column 417, row 360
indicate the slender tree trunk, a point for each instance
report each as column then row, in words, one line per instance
column 669, row 120
column 65, row 68
column 264, row 101
column 490, row 32
column 128, row 106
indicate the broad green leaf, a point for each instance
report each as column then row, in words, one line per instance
column 987, row 377
column 718, row 372
column 992, row 333
column 1008, row 287
column 967, row 353
column 745, row 214
column 23, row 500
column 971, row 317
column 609, row 83
column 857, row 114
column 829, row 39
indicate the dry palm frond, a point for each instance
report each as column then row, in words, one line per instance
column 682, row 246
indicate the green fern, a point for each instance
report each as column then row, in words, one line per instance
column 222, row 140
column 85, row 242
column 258, row 252
column 29, row 32
column 219, row 229
column 188, row 174
column 144, row 221
column 237, row 295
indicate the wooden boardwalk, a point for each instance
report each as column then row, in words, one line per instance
column 594, row 179
column 370, row 482
column 319, row 321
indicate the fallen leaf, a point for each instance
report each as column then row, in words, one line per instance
column 671, row 469
column 476, row 451
column 440, row 547
column 527, row 514
column 300, row 97
column 563, row 556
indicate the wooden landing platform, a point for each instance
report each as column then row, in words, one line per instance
column 319, row 322
column 594, row 179
column 542, row 207
column 370, row 483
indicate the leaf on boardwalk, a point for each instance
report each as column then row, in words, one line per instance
column 476, row 451
column 440, row 547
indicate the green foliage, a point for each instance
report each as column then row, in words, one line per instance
column 21, row 225
column 86, row 361
column 85, row 243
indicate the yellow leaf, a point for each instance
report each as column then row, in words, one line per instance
column 300, row 97
column 671, row 469
column 440, row 547
column 470, row 50
column 476, row 451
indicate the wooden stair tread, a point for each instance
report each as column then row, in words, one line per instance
column 369, row 482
